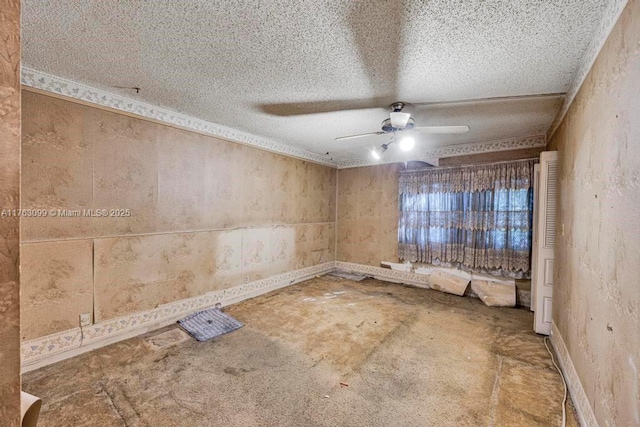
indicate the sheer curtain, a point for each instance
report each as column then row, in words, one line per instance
column 475, row 217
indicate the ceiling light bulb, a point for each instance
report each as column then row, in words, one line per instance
column 375, row 154
column 407, row 143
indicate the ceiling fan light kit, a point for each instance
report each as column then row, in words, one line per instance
column 377, row 152
column 400, row 121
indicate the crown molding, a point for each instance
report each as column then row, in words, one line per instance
column 452, row 151
column 63, row 87
column 60, row 86
column 611, row 15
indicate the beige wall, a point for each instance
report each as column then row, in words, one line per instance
column 597, row 295
column 9, row 199
column 368, row 214
column 206, row 214
column 367, row 221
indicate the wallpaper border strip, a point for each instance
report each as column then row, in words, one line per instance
column 608, row 22
column 415, row 279
column 61, row 86
column 578, row 396
column 62, row 345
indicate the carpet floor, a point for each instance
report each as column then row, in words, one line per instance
column 326, row 352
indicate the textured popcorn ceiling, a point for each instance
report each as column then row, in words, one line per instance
column 248, row 65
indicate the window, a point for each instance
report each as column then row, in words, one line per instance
column 476, row 217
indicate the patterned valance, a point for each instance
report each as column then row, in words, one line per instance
column 514, row 175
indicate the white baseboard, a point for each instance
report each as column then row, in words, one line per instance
column 53, row 348
column 585, row 412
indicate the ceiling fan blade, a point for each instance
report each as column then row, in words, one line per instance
column 443, row 129
column 317, row 107
column 362, row 135
column 288, row 109
column 496, row 98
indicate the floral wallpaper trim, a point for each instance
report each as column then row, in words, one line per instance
column 40, row 349
column 578, row 396
column 611, row 15
column 454, row 150
column 50, row 83
column 46, row 346
column 415, row 279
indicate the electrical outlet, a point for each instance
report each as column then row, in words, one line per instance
column 321, row 259
column 246, row 279
column 85, row 319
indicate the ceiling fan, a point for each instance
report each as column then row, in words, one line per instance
column 400, row 120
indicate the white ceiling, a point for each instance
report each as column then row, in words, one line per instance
column 258, row 66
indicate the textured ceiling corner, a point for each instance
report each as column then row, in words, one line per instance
column 49, row 83
column 454, row 150
column 611, row 15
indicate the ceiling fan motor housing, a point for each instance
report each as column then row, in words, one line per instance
column 388, row 127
